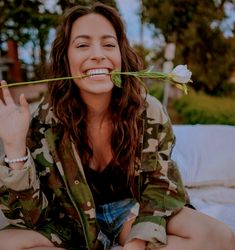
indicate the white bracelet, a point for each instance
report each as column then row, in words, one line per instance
column 20, row 159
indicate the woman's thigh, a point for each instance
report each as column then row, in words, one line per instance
column 200, row 229
column 19, row 239
column 126, row 228
column 190, row 229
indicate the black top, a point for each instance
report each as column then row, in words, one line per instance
column 109, row 185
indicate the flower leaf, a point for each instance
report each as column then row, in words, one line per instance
column 182, row 87
column 116, row 78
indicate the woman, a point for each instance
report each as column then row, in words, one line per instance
column 96, row 170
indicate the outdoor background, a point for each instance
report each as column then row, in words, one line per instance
column 165, row 33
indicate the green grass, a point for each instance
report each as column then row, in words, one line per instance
column 198, row 108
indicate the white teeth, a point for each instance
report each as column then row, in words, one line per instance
column 97, row 71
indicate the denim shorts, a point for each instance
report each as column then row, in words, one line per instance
column 111, row 218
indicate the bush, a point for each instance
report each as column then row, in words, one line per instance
column 198, row 108
column 157, row 90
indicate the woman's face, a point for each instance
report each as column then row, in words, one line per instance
column 93, row 48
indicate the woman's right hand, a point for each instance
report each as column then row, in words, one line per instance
column 14, row 123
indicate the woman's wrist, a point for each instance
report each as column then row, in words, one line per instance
column 15, row 155
column 16, row 160
column 15, row 150
column 16, row 163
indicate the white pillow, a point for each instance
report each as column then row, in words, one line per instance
column 3, row 220
column 205, row 154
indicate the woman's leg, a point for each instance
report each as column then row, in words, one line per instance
column 44, row 248
column 190, row 229
column 125, row 231
column 17, row 239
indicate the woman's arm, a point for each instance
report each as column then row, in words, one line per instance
column 162, row 190
column 20, row 197
column 14, row 125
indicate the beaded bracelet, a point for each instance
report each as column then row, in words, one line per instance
column 20, row 159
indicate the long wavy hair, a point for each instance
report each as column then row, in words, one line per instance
column 127, row 102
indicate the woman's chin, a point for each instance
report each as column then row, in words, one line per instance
column 97, row 87
column 106, row 88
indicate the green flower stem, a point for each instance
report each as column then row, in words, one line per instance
column 135, row 74
column 40, row 81
column 115, row 75
column 143, row 74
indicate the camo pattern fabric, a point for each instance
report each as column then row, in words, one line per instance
column 51, row 195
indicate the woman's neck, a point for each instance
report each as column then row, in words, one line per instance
column 98, row 107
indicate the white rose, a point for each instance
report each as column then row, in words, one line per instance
column 181, row 74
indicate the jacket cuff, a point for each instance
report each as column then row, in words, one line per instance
column 154, row 234
column 18, row 180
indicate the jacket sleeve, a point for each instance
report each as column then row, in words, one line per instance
column 21, row 199
column 162, row 193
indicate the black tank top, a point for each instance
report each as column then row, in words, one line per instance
column 109, row 185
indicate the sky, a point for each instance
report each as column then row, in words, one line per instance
column 132, row 21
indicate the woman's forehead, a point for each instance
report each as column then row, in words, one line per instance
column 91, row 24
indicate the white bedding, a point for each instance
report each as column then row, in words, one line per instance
column 205, row 155
column 218, row 202
column 3, row 220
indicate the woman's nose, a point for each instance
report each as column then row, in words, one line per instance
column 97, row 53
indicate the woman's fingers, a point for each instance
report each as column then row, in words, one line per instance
column 6, row 93
column 23, row 102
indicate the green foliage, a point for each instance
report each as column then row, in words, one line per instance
column 69, row 3
column 24, row 21
column 199, row 108
column 194, row 26
column 157, row 90
column 29, row 21
column 142, row 52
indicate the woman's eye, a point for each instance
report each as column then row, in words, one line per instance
column 82, row 45
column 110, row 45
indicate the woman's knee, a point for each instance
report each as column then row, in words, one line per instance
column 19, row 239
column 214, row 231
column 223, row 236
column 197, row 226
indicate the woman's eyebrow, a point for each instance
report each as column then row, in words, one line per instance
column 81, row 36
column 109, row 36
column 87, row 37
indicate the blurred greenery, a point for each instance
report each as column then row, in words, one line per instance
column 196, row 27
column 199, row 108
column 23, row 21
column 29, row 21
column 157, row 90
column 198, row 30
column 69, row 3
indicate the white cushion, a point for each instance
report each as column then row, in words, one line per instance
column 205, row 154
column 3, row 220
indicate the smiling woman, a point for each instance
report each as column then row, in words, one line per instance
column 93, row 168
column 93, row 49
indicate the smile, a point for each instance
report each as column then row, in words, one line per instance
column 92, row 72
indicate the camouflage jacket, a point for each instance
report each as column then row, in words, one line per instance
column 52, row 190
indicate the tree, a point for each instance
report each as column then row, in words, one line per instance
column 195, row 27
column 69, row 3
column 30, row 21
column 24, row 21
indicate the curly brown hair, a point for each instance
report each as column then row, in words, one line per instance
column 127, row 102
